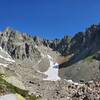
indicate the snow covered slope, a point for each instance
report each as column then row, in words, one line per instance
column 8, row 97
column 11, row 97
column 52, row 72
column 5, row 58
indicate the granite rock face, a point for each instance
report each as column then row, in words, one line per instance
column 84, row 64
column 86, row 40
column 61, row 45
column 19, row 45
column 78, row 43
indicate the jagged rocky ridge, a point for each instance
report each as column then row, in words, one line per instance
column 16, row 42
column 19, row 45
column 82, row 41
column 84, row 64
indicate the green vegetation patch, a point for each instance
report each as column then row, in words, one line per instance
column 95, row 56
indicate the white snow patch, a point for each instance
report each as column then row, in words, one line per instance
column 71, row 82
column 43, row 55
column 4, row 65
column 40, row 72
column 4, row 51
column 8, row 97
column 52, row 72
column 7, row 59
column 50, row 58
column 36, row 46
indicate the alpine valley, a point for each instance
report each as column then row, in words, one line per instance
column 33, row 68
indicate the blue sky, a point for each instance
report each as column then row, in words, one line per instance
column 49, row 18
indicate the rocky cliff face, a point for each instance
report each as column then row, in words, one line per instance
column 86, row 40
column 16, row 42
column 77, row 44
column 84, row 64
column 19, row 45
column 61, row 45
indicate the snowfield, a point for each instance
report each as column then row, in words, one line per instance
column 52, row 72
column 3, row 51
column 11, row 97
column 8, row 97
column 4, row 65
column 7, row 58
